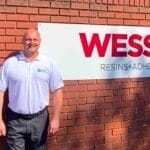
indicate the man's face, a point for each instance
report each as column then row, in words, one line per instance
column 31, row 41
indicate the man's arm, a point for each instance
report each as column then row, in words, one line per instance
column 2, row 124
column 58, row 99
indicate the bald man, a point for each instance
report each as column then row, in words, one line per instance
column 29, row 77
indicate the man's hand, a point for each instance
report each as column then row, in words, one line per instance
column 2, row 128
column 2, row 124
column 54, row 126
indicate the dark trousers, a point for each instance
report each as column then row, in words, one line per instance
column 27, row 133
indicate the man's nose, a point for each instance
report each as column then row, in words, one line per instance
column 32, row 41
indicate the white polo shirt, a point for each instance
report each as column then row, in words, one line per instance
column 29, row 83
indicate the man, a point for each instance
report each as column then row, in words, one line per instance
column 29, row 78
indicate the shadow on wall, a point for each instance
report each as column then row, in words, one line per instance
column 104, row 115
column 132, row 110
column 12, row 54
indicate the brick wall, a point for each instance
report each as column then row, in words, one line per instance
column 96, row 114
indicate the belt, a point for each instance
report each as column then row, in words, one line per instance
column 28, row 116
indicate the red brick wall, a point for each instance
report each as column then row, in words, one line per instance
column 96, row 114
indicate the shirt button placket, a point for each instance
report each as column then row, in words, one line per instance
column 30, row 76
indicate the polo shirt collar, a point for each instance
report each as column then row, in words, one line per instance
column 22, row 57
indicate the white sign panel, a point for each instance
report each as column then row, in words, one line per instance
column 97, row 51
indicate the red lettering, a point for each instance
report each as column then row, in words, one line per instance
column 119, row 45
column 95, row 42
column 132, row 42
column 116, row 45
column 147, row 44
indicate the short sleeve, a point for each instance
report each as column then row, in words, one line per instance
column 56, row 80
column 3, row 76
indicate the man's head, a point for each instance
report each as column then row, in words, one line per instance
column 31, row 41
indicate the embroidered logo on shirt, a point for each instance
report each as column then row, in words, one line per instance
column 41, row 70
